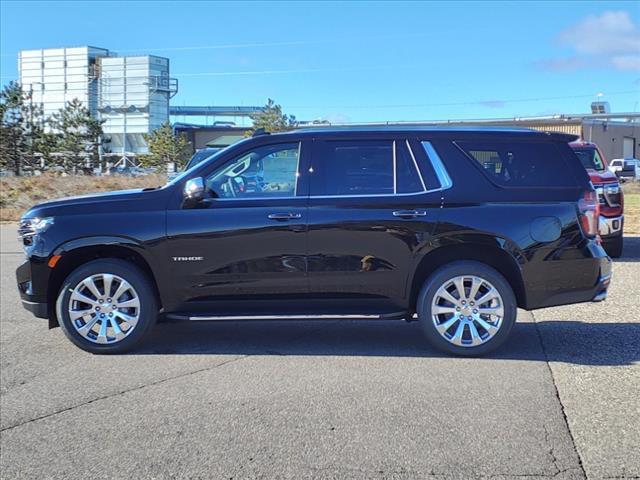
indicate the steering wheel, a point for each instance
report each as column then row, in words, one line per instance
column 232, row 188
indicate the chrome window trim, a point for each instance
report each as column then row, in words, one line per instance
column 295, row 187
column 438, row 166
column 415, row 164
column 433, row 157
column 395, row 169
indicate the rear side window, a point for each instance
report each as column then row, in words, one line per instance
column 361, row 168
column 521, row 163
column 407, row 177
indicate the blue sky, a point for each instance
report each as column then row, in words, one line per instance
column 361, row 61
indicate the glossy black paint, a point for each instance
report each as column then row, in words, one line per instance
column 342, row 255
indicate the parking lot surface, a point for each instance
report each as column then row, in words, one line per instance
column 325, row 399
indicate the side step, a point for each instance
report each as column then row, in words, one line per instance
column 387, row 316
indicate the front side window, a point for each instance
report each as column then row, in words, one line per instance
column 266, row 172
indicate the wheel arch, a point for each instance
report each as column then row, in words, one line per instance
column 77, row 253
column 488, row 253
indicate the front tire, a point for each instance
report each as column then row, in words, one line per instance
column 106, row 306
column 466, row 308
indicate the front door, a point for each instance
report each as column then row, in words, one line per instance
column 246, row 243
column 371, row 207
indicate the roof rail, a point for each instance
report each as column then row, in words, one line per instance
column 259, row 132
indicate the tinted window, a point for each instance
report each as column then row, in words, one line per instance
column 353, row 168
column 590, row 158
column 200, row 156
column 407, row 177
column 269, row 171
column 364, row 168
column 521, row 163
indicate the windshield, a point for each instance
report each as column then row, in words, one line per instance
column 590, row 159
column 191, row 165
column 200, row 156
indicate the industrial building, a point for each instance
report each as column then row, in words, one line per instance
column 133, row 100
column 55, row 76
column 130, row 93
column 617, row 135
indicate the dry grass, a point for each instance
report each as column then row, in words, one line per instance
column 17, row 194
column 631, row 208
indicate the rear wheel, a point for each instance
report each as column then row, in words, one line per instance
column 466, row 308
column 106, row 306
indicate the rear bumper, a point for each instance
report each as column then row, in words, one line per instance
column 610, row 226
column 564, row 282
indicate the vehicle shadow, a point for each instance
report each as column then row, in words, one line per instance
column 631, row 250
column 573, row 342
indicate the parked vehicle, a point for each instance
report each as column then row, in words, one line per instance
column 460, row 226
column 198, row 157
column 610, row 196
column 626, row 168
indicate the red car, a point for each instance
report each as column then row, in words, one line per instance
column 609, row 194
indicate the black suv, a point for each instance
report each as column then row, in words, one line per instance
column 453, row 227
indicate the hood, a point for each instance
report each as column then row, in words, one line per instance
column 605, row 176
column 120, row 200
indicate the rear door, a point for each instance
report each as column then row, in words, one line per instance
column 371, row 206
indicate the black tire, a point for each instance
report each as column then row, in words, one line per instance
column 148, row 311
column 614, row 246
column 443, row 275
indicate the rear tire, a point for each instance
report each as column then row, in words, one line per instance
column 473, row 323
column 614, row 247
column 106, row 306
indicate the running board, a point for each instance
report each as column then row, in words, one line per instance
column 387, row 316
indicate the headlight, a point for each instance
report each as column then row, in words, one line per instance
column 612, row 189
column 30, row 227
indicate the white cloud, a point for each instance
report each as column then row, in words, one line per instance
column 609, row 33
column 626, row 62
column 609, row 40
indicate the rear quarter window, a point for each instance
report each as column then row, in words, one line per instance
column 522, row 163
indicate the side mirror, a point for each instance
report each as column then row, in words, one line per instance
column 194, row 190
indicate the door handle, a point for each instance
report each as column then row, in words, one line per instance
column 409, row 213
column 284, row 216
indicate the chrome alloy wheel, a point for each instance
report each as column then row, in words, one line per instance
column 467, row 311
column 104, row 308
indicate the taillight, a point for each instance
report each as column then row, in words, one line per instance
column 589, row 213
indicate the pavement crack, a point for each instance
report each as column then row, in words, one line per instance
column 562, row 409
column 122, row 392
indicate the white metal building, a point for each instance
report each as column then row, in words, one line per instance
column 55, row 76
column 133, row 100
column 130, row 93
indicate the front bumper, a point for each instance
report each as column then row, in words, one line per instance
column 31, row 301
column 610, row 226
column 39, row 310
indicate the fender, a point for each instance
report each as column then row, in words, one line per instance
column 117, row 241
column 121, row 242
column 94, row 241
column 495, row 250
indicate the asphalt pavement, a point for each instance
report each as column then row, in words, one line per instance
column 325, row 399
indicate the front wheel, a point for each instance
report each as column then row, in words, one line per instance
column 466, row 308
column 106, row 306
